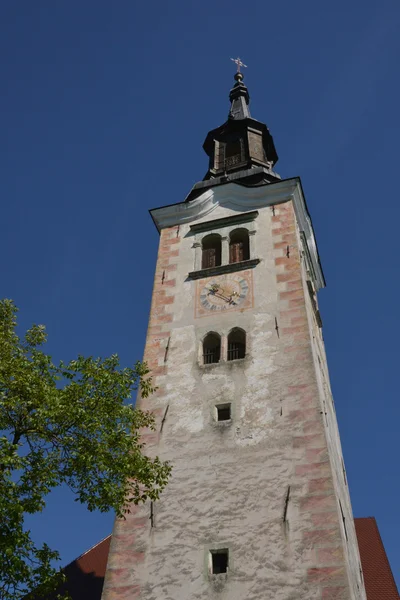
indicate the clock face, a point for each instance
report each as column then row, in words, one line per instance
column 224, row 293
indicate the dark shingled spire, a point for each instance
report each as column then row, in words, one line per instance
column 239, row 97
column 241, row 143
column 240, row 150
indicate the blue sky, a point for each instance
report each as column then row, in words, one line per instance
column 103, row 112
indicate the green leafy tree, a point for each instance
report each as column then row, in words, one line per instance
column 64, row 424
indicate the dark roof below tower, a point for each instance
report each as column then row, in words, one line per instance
column 85, row 575
column 378, row 577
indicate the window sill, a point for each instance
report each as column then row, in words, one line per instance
column 209, row 365
column 218, row 580
column 221, row 269
column 222, row 424
column 223, row 362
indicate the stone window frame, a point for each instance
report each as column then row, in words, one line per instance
column 223, row 357
column 221, row 402
column 208, row 549
column 223, row 228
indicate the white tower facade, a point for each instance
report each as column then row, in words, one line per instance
column 257, row 505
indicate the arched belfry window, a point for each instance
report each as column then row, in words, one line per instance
column 239, row 246
column 233, row 153
column 211, row 251
column 236, row 344
column 211, row 348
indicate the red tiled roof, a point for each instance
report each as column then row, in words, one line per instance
column 94, row 560
column 85, row 575
column 378, row 577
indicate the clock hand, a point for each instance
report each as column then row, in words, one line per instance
column 217, row 289
column 213, row 288
column 223, row 297
column 220, row 294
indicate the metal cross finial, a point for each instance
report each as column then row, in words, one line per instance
column 239, row 63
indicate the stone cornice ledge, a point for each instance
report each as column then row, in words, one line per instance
column 232, row 195
column 244, row 199
column 222, row 269
column 225, row 221
column 305, row 226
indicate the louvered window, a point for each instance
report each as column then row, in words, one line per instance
column 236, row 252
column 209, row 256
column 211, row 252
column 233, row 153
column 239, row 246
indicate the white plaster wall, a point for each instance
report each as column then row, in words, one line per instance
column 222, row 382
column 335, row 449
column 229, row 483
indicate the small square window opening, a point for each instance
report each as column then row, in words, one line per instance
column 219, row 561
column 223, row 412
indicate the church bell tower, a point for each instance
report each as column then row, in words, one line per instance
column 257, row 506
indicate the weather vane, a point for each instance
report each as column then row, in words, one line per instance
column 238, row 63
